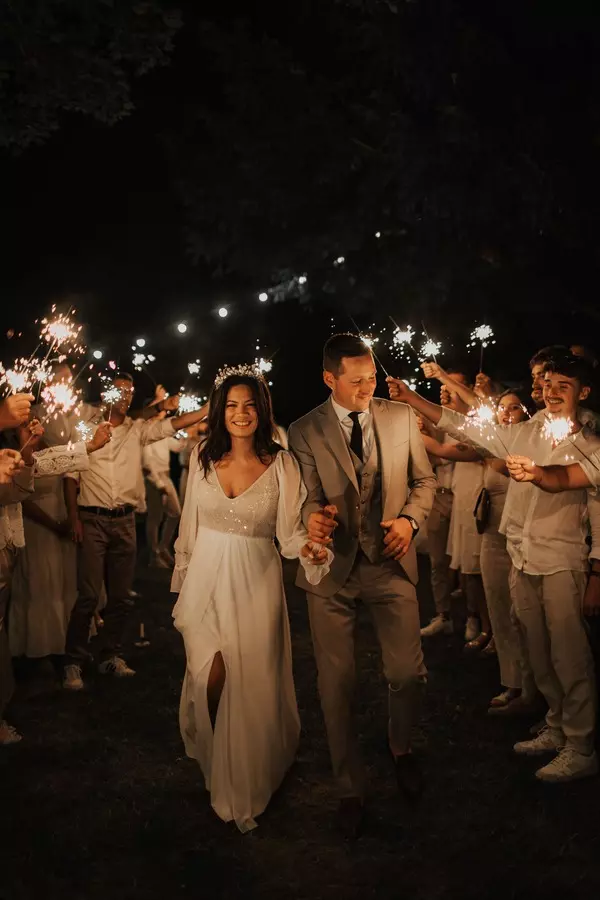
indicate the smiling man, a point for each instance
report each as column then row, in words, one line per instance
column 368, row 477
column 555, row 575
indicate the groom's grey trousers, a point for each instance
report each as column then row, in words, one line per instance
column 392, row 603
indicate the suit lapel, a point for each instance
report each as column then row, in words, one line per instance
column 334, row 437
column 385, row 440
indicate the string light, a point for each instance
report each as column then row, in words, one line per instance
column 263, row 296
column 97, row 354
column 223, row 312
column 182, row 328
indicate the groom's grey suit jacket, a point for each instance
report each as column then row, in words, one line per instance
column 407, row 481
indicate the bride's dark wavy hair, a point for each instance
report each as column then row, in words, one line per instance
column 218, row 439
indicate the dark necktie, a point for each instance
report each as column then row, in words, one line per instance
column 356, row 438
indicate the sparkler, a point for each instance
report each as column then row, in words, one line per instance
column 264, row 365
column 431, row 348
column 194, row 367
column 84, row 430
column 59, row 397
column 484, row 417
column 362, row 337
column 560, row 429
column 61, row 332
column 190, row 403
column 484, row 335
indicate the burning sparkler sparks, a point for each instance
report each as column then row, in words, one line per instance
column 61, row 332
column 264, row 365
column 484, row 336
column 431, row 349
column 557, row 429
column 85, row 431
column 60, row 397
column 190, row 403
column 194, row 367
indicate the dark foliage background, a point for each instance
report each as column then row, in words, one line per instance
column 161, row 162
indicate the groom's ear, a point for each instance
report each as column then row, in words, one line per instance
column 329, row 379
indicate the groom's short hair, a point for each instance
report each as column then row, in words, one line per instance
column 339, row 346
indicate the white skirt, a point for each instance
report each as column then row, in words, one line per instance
column 232, row 602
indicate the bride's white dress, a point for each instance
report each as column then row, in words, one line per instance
column 231, row 600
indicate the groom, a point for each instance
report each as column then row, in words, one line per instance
column 363, row 459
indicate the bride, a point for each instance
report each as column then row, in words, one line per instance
column 238, row 713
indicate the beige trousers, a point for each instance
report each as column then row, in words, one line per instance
column 548, row 608
column 392, row 603
column 438, row 529
column 515, row 670
column 8, row 559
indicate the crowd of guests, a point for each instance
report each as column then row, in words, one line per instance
column 526, row 549
column 515, row 528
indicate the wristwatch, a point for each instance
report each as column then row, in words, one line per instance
column 413, row 524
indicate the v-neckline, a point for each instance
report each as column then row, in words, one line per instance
column 249, row 488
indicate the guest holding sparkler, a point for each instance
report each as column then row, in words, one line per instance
column 547, row 542
column 440, row 520
column 102, row 519
column 52, row 461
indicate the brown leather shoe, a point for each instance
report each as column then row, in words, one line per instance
column 351, row 816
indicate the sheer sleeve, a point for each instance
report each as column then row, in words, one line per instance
column 61, row 459
column 188, row 528
column 290, row 531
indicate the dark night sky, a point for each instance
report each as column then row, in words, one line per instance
column 94, row 215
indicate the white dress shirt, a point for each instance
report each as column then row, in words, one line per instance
column 545, row 533
column 114, row 478
column 365, row 420
column 156, row 460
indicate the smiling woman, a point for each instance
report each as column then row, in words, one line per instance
column 238, row 713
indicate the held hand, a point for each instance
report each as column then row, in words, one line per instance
column 483, row 386
column 159, row 394
column 522, row 469
column 432, row 370
column 14, row 411
column 591, row 598
column 76, row 530
column 10, row 463
column 63, row 529
column 30, row 437
column 315, row 553
column 398, row 538
column 399, row 391
column 171, row 404
column 321, row 525
column 420, row 424
column 102, row 436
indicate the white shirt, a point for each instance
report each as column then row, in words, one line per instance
column 365, row 420
column 114, row 478
column 545, row 533
column 156, row 460
column 52, row 461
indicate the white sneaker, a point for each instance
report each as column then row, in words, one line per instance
column 472, row 630
column 547, row 741
column 568, row 765
column 8, row 734
column 438, row 625
column 117, row 667
column 72, row 680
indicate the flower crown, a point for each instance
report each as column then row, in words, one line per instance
column 247, row 370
